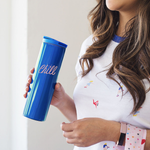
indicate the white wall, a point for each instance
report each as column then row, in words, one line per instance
column 64, row 20
column 5, row 75
column 18, row 73
column 23, row 24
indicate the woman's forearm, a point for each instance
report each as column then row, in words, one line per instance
column 68, row 108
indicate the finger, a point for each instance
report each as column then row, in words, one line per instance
column 68, row 135
column 32, row 70
column 30, row 78
column 25, row 95
column 80, row 145
column 57, row 86
column 67, row 127
column 27, row 89
column 72, row 141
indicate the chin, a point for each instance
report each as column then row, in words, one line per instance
column 112, row 5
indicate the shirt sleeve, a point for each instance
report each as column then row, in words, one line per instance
column 86, row 43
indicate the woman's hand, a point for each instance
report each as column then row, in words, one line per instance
column 89, row 131
column 28, row 83
column 59, row 93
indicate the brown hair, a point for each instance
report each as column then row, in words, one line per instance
column 131, row 57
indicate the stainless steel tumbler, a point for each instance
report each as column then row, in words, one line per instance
column 44, row 79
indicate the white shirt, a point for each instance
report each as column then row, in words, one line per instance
column 97, row 96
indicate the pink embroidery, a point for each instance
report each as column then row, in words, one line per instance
column 95, row 103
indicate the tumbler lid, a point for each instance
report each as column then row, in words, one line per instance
column 53, row 41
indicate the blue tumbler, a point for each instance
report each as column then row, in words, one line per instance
column 44, row 79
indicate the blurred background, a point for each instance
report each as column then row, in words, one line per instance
column 23, row 23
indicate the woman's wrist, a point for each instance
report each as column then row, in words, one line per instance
column 65, row 100
column 67, row 107
column 113, row 131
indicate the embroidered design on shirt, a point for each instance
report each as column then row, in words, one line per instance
column 119, row 91
column 88, row 84
column 137, row 112
column 95, row 103
column 105, row 147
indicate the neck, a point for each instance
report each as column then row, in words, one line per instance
column 124, row 17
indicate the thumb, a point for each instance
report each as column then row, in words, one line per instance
column 57, row 86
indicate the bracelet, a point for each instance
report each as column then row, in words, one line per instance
column 123, row 132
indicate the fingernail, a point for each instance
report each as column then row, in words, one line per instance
column 27, row 88
column 32, row 70
column 25, row 95
column 62, row 124
column 30, row 80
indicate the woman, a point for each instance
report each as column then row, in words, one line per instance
column 113, row 81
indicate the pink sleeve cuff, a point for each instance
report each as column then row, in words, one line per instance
column 135, row 139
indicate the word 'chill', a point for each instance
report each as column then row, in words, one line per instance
column 47, row 69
